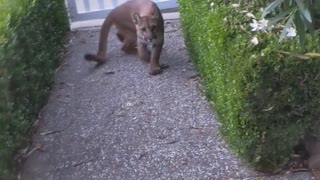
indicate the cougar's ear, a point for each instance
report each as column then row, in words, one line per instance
column 136, row 18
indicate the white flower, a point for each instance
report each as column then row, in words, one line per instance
column 254, row 40
column 254, row 25
column 225, row 19
column 263, row 25
column 235, row 5
column 291, row 32
column 211, row 4
column 250, row 15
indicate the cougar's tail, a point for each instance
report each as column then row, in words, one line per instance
column 104, row 32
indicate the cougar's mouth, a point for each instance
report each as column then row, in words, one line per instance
column 148, row 39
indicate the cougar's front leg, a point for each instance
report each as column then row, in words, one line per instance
column 130, row 44
column 129, row 47
column 154, row 67
column 143, row 51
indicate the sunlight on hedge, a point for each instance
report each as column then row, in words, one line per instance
column 265, row 93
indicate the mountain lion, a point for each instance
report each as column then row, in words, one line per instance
column 139, row 23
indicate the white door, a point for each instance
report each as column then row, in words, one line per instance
column 83, row 10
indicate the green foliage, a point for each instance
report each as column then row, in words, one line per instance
column 32, row 37
column 266, row 100
column 298, row 13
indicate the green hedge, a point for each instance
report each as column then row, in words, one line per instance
column 266, row 101
column 32, row 37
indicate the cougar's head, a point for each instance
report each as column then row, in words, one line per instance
column 146, row 27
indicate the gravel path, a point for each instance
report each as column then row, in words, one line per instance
column 118, row 122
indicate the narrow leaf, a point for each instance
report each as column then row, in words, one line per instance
column 280, row 16
column 271, row 7
column 300, row 27
column 313, row 55
column 287, row 25
column 309, row 25
column 316, row 6
column 304, row 10
column 299, row 56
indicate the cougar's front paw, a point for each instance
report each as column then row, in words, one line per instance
column 155, row 70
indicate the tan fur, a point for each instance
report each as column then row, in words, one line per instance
column 139, row 23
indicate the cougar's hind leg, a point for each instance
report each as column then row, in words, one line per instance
column 129, row 47
column 120, row 36
column 130, row 44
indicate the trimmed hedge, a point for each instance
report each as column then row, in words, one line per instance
column 33, row 34
column 266, row 101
